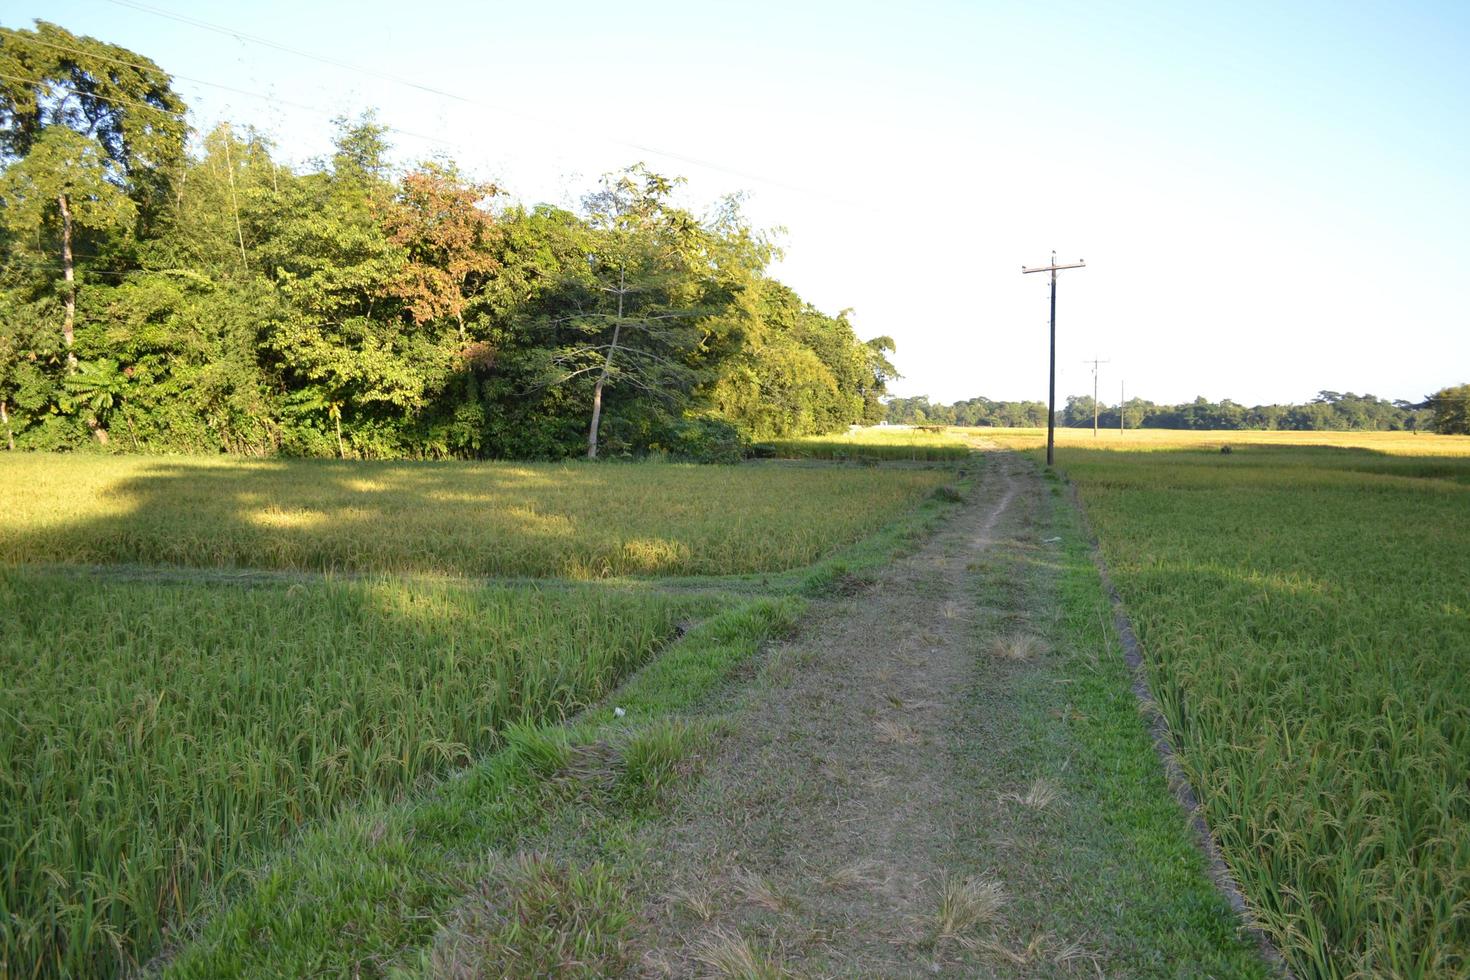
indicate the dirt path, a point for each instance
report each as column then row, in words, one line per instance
column 825, row 829
column 944, row 773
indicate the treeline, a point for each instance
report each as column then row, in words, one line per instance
column 1445, row 411
column 221, row 300
column 981, row 411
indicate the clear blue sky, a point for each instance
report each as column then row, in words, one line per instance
column 1273, row 198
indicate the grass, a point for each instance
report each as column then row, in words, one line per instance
column 157, row 736
column 381, row 888
column 567, row 520
column 875, row 444
column 1305, row 617
column 1070, row 812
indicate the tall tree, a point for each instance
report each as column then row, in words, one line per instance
column 85, row 126
column 1451, row 408
column 631, row 314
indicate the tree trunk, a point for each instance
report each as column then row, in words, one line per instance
column 341, row 450
column 69, row 298
column 606, row 369
column 5, row 420
column 97, row 430
column 234, row 201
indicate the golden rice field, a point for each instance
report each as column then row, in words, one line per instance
column 477, row 519
column 1306, row 617
column 1147, row 440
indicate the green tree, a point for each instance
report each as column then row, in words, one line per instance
column 86, row 128
column 98, row 387
column 631, row 315
column 1451, row 410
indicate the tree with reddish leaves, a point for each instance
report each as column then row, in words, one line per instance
column 451, row 237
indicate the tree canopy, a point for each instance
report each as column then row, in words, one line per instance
column 1330, row 410
column 221, row 300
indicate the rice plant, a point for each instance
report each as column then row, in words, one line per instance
column 475, row 519
column 1306, row 620
column 156, row 738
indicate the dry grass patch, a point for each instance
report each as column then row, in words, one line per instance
column 698, row 902
column 1044, row 948
column 862, row 874
column 541, row 918
column 1040, row 795
column 914, row 705
column 963, row 905
column 730, row 956
column 1018, row 647
column 756, row 890
column 897, row 733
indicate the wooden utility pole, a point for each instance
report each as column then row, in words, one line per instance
column 1121, row 402
column 1051, row 397
column 1095, row 362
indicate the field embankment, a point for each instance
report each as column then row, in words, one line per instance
column 1306, row 624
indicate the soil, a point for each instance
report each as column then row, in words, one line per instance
column 823, row 835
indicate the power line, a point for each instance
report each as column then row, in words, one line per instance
column 198, row 81
column 76, row 91
column 461, row 97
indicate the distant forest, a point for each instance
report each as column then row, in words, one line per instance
column 166, row 290
column 1445, row 411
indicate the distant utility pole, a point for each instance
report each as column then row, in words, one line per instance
column 1121, row 402
column 1051, row 397
column 1095, row 362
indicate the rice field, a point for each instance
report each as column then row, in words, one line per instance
column 471, row 519
column 156, row 737
column 164, row 736
column 1306, row 616
column 1149, row 440
column 877, row 443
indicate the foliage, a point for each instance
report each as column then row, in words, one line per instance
column 1451, row 409
column 351, row 308
column 1329, row 411
column 973, row 412
column 1367, row 444
column 879, row 443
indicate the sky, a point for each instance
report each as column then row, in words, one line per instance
column 1272, row 198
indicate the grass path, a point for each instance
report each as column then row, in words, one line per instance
column 943, row 774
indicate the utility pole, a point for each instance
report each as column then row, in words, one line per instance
column 1121, row 402
column 1051, row 397
column 1095, row 362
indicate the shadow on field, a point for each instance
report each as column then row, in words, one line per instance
column 349, row 516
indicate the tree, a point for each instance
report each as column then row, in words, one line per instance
column 98, row 387
column 451, row 240
column 57, row 189
column 1451, row 408
column 632, row 312
column 89, row 128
